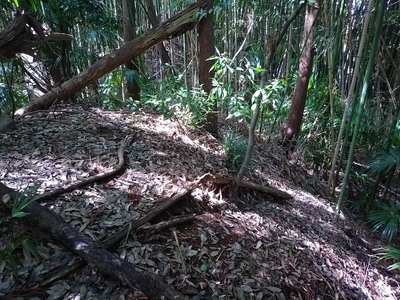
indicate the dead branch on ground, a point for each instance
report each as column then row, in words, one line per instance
column 92, row 253
column 121, row 161
column 247, row 184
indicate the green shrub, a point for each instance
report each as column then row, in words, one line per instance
column 235, row 146
column 386, row 217
column 173, row 100
column 391, row 253
column 360, row 203
column 23, row 200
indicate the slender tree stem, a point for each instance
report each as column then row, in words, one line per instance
column 367, row 78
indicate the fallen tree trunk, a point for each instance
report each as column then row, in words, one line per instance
column 97, row 257
column 111, row 240
column 174, row 26
column 20, row 36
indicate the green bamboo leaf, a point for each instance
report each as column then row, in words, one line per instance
column 386, row 216
column 258, row 69
column 12, row 262
column 28, row 244
column 18, row 214
column 390, row 253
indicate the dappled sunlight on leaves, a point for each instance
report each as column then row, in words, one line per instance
column 249, row 246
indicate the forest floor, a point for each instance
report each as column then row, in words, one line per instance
column 252, row 246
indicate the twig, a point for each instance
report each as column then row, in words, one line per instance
column 246, row 184
column 151, row 229
column 121, row 161
column 180, row 253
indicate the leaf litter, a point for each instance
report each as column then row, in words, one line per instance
column 248, row 247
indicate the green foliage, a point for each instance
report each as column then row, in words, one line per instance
column 13, row 93
column 199, row 105
column 20, row 203
column 8, row 252
column 391, row 253
column 110, row 90
column 360, row 203
column 317, row 124
column 386, row 217
column 372, row 134
column 35, row 4
column 384, row 165
column 111, row 87
column 395, row 139
column 239, row 103
column 134, row 76
column 235, row 146
column 93, row 25
column 384, row 161
column 235, row 103
column 173, row 100
column 24, row 199
column 274, row 107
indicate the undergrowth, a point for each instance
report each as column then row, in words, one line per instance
column 235, row 146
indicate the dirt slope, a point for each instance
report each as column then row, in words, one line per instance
column 248, row 247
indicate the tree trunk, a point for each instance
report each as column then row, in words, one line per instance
column 206, row 50
column 174, row 26
column 129, row 14
column 291, row 130
column 151, row 13
column 256, row 113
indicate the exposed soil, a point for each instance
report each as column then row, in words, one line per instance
column 252, row 246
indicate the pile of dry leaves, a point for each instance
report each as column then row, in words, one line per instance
column 252, row 246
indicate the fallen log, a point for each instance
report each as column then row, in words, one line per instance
column 96, row 256
column 117, row 236
column 246, row 184
column 174, row 26
column 23, row 35
column 265, row 189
